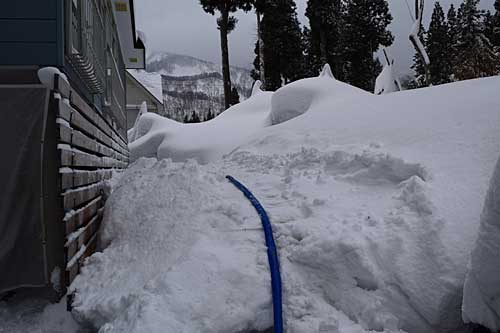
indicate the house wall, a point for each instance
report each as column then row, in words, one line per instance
column 135, row 97
column 31, row 32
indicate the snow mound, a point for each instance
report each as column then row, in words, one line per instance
column 482, row 286
column 327, row 72
column 386, row 81
column 375, row 203
column 257, row 87
column 298, row 97
column 164, row 138
column 187, row 264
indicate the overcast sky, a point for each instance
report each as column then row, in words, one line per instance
column 181, row 26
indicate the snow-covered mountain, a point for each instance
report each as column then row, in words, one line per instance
column 194, row 85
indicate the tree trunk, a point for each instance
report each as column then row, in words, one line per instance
column 261, row 51
column 226, row 73
column 323, row 46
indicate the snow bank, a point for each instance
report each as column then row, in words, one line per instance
column 164, row 138
column 481, row 304
column 209, row 141
column 179, row 259
column 375, row 203
column 132, row 134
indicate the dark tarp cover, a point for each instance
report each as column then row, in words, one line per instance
column 22, row 258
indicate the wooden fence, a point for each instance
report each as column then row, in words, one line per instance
column 90, row 147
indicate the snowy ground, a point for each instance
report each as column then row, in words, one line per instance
column 375, row 203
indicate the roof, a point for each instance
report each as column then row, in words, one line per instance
column 149, row 82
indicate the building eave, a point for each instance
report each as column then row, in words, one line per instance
column 132, row 47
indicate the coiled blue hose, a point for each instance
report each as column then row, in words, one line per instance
column 272, row 255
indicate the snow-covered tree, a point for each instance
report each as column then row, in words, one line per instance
column 324, row 38
column 365, row 30
column 475, row 53
column 438, row 47
column 225, row 23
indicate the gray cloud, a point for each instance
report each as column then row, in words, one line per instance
column 181, row 26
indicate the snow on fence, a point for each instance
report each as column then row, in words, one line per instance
column 90, row 147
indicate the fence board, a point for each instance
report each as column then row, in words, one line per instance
column 74, row 178
column 82, row 236
column 74, row 198
column 96, row 118
column 77, row 139
column 76, row 158
column 78, row 121
column 75, row 264
column 77, row 219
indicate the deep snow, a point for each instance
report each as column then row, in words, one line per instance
column 375, row 203
column 482, row 287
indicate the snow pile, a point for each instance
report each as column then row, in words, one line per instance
column 132, row 134
column 375, row 203
column 387, row 82
column 179, row 258
column 163, row 138
column 209, row 141
column 482, row 286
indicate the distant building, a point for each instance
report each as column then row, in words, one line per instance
column 143, row 87
column 63, row 132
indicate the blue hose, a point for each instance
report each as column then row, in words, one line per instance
column 272, row 255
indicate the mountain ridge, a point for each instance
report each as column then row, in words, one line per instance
column 194, row 86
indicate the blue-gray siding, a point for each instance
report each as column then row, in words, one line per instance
column 31, row 32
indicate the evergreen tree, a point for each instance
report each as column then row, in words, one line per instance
column 475, row 53
column 186, row 119
column 492, row 26
column 488, row 25
column 235, row 96
column 438, row 46
column 496, row 25
column 365, row 25
column 210, row 116
column 324, row 36
column 225, row 23
column 194, row 118
column 284, row 58
column 260, row 6
column 312, row 59
column 452, row 22
column 255, row 74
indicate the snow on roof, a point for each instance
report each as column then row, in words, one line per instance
column 151, row 81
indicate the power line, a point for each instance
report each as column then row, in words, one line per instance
column 409, row 10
